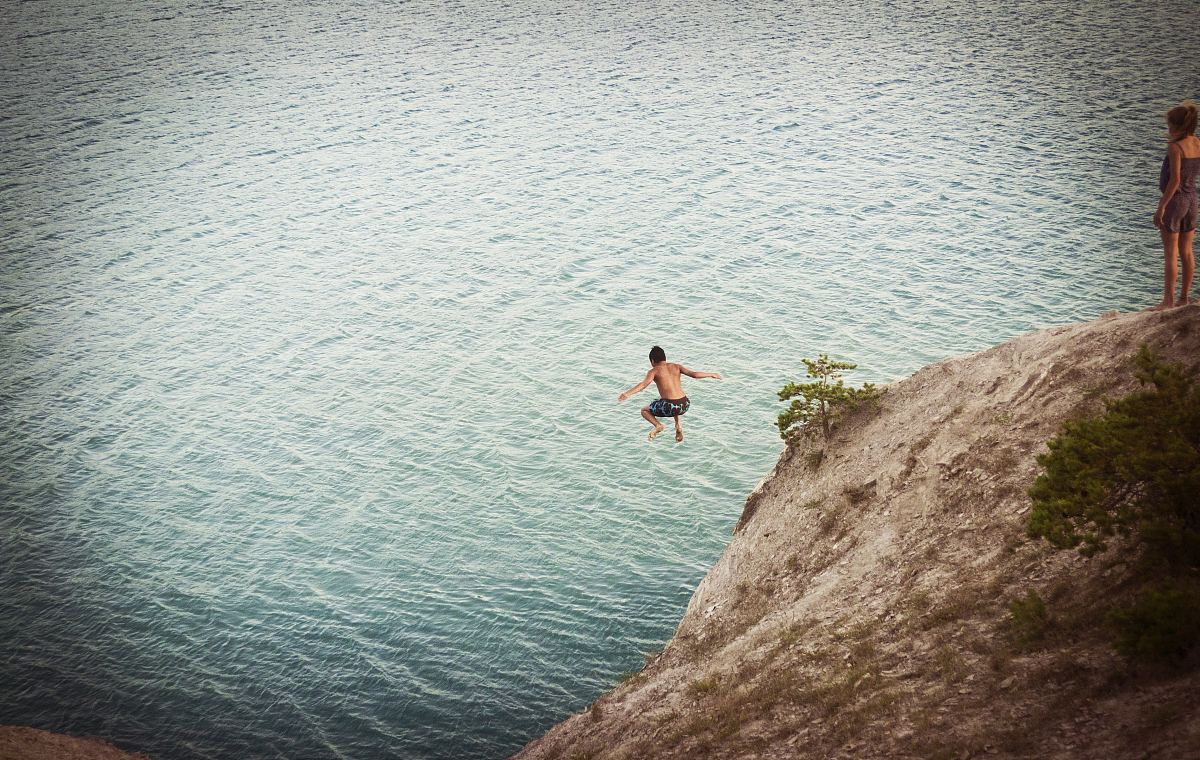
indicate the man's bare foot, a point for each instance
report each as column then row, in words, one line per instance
column 678, row 436
column 1162, row 306
column 1183, row 302
column 654, row 433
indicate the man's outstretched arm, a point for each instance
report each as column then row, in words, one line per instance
column 639, row 387
column 698, row 375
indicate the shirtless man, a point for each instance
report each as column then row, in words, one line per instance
column 671, row 401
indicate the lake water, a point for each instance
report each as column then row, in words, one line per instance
column 314, row 317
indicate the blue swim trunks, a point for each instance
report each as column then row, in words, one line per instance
column 669, row 407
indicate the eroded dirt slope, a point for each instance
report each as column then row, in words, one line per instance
column 861, row 608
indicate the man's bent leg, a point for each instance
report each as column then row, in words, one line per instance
column 658, row 428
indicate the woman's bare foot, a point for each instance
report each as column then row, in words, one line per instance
column 654, row 433
column 1162, row 306
column 1183, row 302
column 678, row 436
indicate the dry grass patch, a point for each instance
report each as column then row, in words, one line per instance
column 793, row 632
column 692, row 648
column 702, row 687
column 956, row 605
column 716, row 723
column 949, row 663
column 835, row 694
column 1002, row 418
column 919, row 601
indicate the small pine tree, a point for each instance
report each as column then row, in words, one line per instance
column 819, row 403
column 1133, row 470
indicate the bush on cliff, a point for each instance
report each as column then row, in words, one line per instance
column 1163, row 624
column 1134, row 471
column 817, row 404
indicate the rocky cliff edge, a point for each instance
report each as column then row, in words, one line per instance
column 861, row 607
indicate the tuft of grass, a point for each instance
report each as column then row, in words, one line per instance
column 920, row 600
column 1006, row 459
column 861, row 632
column 834, row 695
column 793, row 632
column 691, row 648
column 881, row 703
column 702, row 687
column 1028, row 620
column 957, row 604
column 818, row 658
column 950, row 664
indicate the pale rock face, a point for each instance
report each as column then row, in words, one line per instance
column 860, row 609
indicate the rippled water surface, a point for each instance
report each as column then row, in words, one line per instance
column 314, row 316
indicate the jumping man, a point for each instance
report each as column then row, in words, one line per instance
column 671, row 401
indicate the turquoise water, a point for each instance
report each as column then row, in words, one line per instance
column 313, row 322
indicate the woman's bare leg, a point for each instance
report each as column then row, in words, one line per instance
column 1170, row 253
column 678, row 430
column 658, row 428
column 1189, row 267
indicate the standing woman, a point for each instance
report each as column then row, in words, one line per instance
column 1176, row 215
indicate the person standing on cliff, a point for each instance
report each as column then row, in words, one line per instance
column 671, row 401
column 1176, row 214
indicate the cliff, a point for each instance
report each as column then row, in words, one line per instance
column 22, row 743
column 861, row 607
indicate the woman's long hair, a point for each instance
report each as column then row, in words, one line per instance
column 1182, row 118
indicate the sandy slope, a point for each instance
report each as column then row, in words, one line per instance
column 860, row 609
column 21, row 743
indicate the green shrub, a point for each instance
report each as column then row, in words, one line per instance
column 1133, row 470
column 1163, row 625
column 1028, row 619
column 817, row 404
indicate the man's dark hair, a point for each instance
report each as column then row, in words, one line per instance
column 657, row 355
